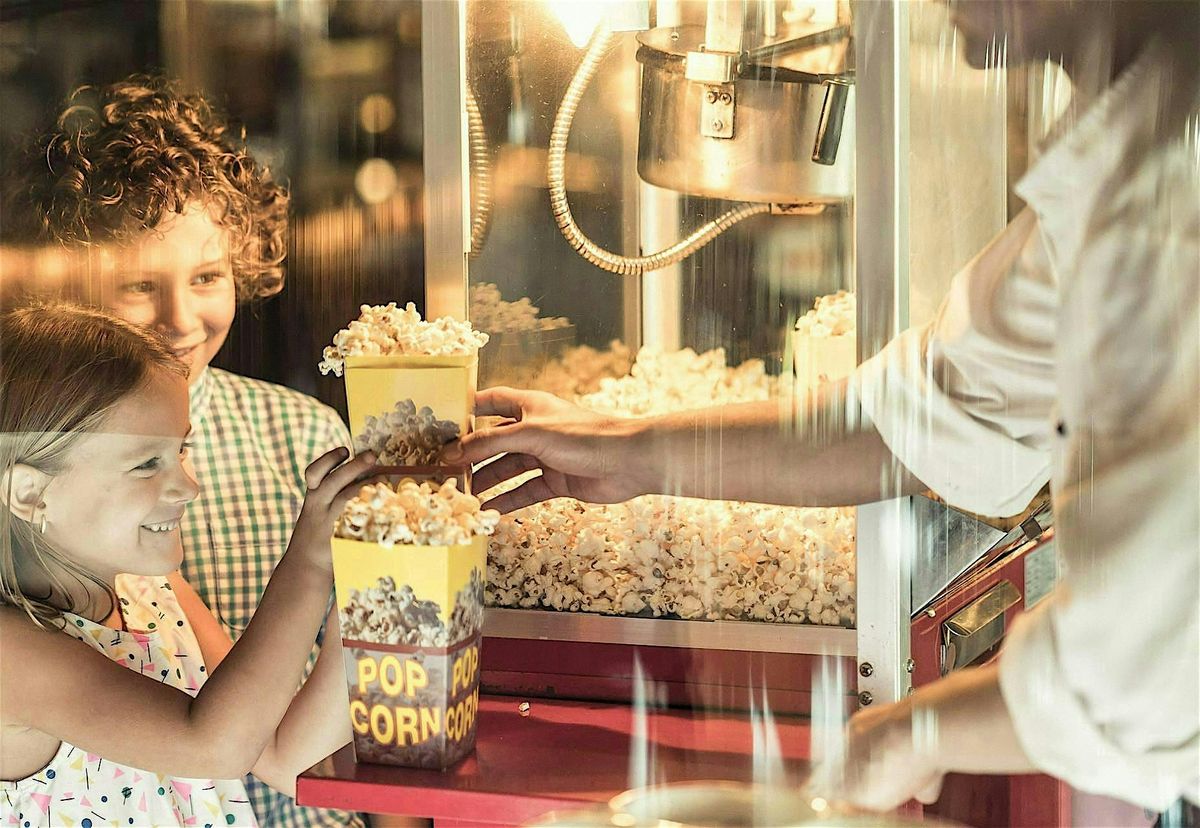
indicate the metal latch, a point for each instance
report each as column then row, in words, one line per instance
column 976, row 628
column 717, row 109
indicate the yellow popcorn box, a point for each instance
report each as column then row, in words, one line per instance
column 823, row 359
column 411, row 623
column 374, row 384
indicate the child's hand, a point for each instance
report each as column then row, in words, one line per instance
column 331, row 482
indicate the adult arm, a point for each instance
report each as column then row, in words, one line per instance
column 901, row 751
column 961, row 405
column 811, row 450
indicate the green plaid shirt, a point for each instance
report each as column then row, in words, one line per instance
column 252, row 442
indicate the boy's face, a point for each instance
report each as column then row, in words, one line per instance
column 178, row 280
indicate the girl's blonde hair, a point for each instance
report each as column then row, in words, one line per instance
column 62, row 369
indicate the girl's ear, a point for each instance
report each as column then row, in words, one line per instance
column 21, row 490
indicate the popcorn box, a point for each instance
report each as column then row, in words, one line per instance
column 823, row 359
column 444, row 383
column 411, row 623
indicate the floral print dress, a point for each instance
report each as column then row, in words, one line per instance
column 78, row 789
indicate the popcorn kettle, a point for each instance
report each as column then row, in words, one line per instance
column 734, row 109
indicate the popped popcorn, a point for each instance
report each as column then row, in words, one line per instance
column 824, row 342
column 660, row 556
column 579, row 370
column 415, row 513
column 677, row 557
column 832, row 315
column 663, row 381
column 391, row 614
column 489, row 312
column 386, row 330
column 406, row 436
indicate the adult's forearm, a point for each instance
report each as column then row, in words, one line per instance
column 964, row 720
column 810, row 450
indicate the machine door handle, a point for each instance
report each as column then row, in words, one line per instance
column 829, row 127
column 976, row 628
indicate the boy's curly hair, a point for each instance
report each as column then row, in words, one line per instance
column 124, row 156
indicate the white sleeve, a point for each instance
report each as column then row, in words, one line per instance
column 1103, row 680
column 1103, row 683
column 965, row 402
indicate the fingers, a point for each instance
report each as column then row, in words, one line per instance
column 501, row 470
column 338, row 502
column 481, row 445
column 500, row 402
column 528, row 493
column 324, row 464
column 352, row 473
column 335, row 479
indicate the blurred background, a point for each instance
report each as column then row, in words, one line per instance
column 329, row 93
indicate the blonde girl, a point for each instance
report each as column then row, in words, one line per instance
column 113, row 712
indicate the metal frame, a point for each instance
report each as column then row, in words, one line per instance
column 661, row 291
column 885, row 531
column 447, row 180
column 742, row 636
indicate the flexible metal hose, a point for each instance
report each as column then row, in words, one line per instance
column 481, row 175
column 602, row 41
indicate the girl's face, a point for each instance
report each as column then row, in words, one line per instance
column 116, row 507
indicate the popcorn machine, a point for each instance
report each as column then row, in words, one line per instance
column 667, row 205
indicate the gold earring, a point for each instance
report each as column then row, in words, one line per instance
column 42, row 523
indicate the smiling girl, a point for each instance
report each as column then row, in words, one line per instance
column 179, row 226
column 110, row 714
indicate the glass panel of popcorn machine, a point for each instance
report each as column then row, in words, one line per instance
column 655, row 152
column 544, row 306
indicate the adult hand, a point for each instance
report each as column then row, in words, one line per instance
column 901, row 751
column 581, row 454
column 889, row 759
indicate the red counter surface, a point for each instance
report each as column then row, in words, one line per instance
column 564, row 754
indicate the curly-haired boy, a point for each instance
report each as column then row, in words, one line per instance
column 179, row 225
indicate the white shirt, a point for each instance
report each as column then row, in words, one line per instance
column 1070, row 349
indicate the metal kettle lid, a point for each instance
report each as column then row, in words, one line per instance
column 818, row 56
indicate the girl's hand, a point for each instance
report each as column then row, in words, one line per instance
column 581, row 454
column 332, row 481
column 890, row 757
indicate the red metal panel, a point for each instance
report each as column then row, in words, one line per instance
column 926, row 628
column 706, row 679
